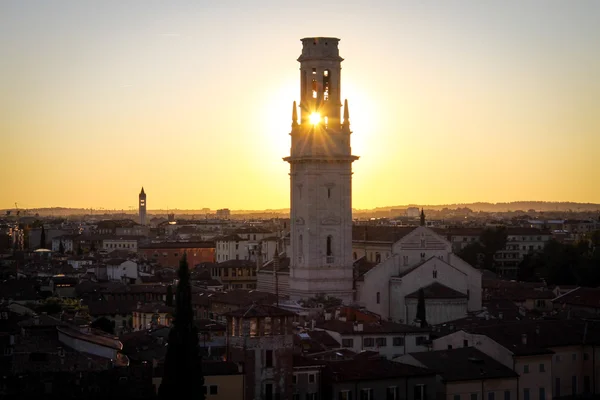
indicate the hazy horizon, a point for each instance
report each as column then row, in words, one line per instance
column 449, row 101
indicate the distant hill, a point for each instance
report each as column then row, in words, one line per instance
column 539, row 206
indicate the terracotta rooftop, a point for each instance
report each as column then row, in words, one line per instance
column 373, row 369
column 258, row 310
column 464, row 364
column 348, row 327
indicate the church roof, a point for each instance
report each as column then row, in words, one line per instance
column 438, row 291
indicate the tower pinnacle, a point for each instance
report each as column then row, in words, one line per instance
column 294, row 115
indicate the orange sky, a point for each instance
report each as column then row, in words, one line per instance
column 449, row 102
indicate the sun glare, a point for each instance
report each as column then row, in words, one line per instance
column 315, row 118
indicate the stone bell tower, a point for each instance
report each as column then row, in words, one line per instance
column 321, row 178
column 142, row 207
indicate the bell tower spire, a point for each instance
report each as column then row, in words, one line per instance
column 321, row 179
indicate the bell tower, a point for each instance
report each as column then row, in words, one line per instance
column 321, row 178
column 142, row 207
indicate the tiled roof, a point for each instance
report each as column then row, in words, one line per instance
column 373, row 369
column 258, row 310
column 348, row 327
column 464, row 364
column 541, row 335
column 111, row 307
column 236, row 264
column 177, row 245
column 438, row 291
column 581, row 297
column 379, row 233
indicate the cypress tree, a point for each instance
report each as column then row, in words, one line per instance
column 169, row 301
column 43, row 238
column 182, row 377
column 421, row 309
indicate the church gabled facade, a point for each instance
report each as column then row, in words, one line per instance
column 421, row 260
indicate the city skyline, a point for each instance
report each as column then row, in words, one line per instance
column 449, row 103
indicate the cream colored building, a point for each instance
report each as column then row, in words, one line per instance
column 421, row 259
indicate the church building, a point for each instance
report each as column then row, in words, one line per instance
column 323, row 257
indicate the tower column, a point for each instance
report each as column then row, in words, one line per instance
column 321, row 179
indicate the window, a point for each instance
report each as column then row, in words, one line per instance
column 526, row 394
column 398, row 341
column 311, row 378
column 526, row 369
column 574, row 356
column 326, row 76
column 213, row 389
column 354, row 256
column 449, row 347
column 392, row 393
column 381, row 342
column 269, row 391
column 328, row 193
column 311, row 396
column 574, row 384
column 420, row 340
column 294, row 379
column 542, row 368
column 366, row 394
column 269, row 358
column 586, row 384
column 378, row 297
column 405, row 260
column 347, row 342
column 329, row 249
column 314, row 88
column 465, row 343
column 542, row 393
column 491, row 395
column 225, row 271
column 457, row 397
column 434, row 274
column 473, row 396
column 296, row 396
column 377, row 257
column 557, row 387
column 300, row 245
column 345, row 395
column 368, row 342
column 507, row 395
column 420, row 392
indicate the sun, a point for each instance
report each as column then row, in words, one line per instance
column 315, row 118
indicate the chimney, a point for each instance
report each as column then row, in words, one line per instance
column 524, row 338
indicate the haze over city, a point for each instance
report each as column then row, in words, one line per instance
column 450, row 102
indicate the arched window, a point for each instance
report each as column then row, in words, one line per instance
column 326, row 76
column 377, row 257
column 329, row 246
